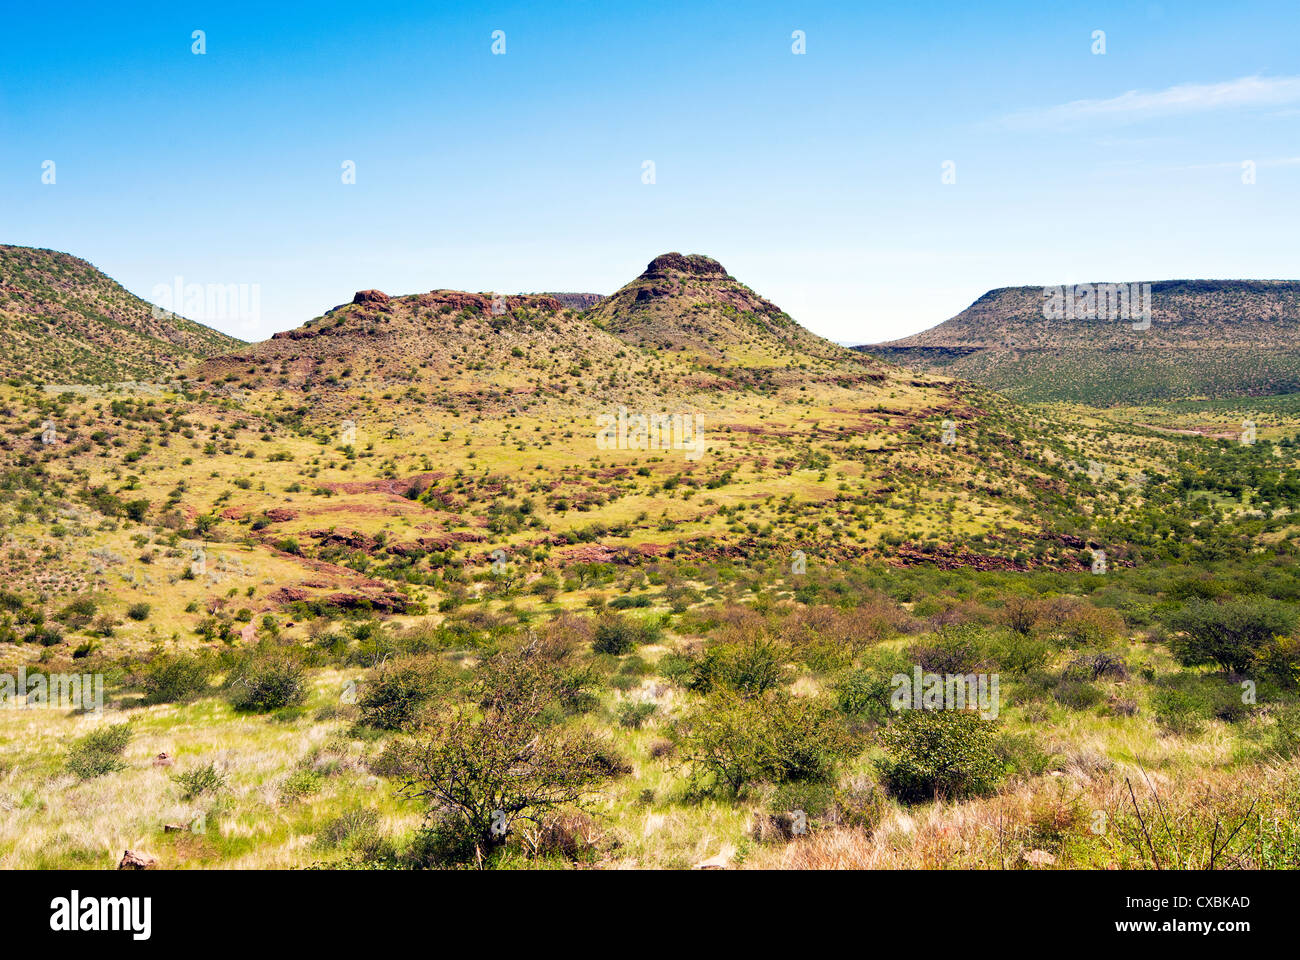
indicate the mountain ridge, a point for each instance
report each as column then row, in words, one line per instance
column 64, row 319
column 1177, row 338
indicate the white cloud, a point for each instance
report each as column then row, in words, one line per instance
column 1183, row 98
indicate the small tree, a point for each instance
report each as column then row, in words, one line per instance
column 1232, row 634
column 505, row 761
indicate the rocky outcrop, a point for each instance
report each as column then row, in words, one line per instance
column 136, row 861
column 695, row 264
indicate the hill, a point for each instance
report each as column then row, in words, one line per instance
column 691, row 305
column 683, row 325
column 295, row 564
column 1211, row 338
column 64, row 321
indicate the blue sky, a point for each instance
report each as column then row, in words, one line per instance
column 815, row 178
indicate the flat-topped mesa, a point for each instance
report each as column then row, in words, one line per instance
column 695, row 264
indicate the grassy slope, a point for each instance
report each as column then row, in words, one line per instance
column 64, row 321
column 855, row 475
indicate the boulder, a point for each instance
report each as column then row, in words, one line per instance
column 137, row 861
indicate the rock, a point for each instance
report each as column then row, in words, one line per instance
column 370, row 296
column 1039, row 858
column 345, row 538
column 719, row 861
column 163, row 760
column 381, row 602
column 281, row 514
column 288, row 595
column 695, row 264
column 137, row 861
column 248, row 633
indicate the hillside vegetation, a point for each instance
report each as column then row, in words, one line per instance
column 375, row 593
column 64, row 322
column 1206, row 338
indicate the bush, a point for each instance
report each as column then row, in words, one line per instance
column 99, row 752
column 486, row 769
column 732, row 742
column 1177, row 710
column 1077, row 623
column 356, row 830
column 618, row 635
column 269, row 683
column 634, row 715
column 1020, row 653
column 954, row 649
column 1077, row 694
column 396, row 697
column 200, row 780
column 865, row 694
column 46, row 636
column 1095, row 666
column 1279, row 658
column 750, row 668
column 1184, row 703
column 1230, row 634
column 447, row 841
column 176, row 678
column 939, row 753
column 138, row 611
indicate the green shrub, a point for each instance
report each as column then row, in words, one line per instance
column 99, row 752
column 488, row 768
column 1019, row 652
column 732, row 742
column 1231, row 634
column 634, row 715
column 865, row 694
column 618, row 635
column 46, row 636
column 1077, row 694
column 396, row 697
column 1178, row 710
column 749, row 668
column 176, row 678
column 269, row 683
column 356, row 830
column 1279, row 658
column 939, row 753
column 447, row 841
column 200, row 780
column 962, row 648
column 1096, row 666
column 1185, row 702
column 138, row 611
